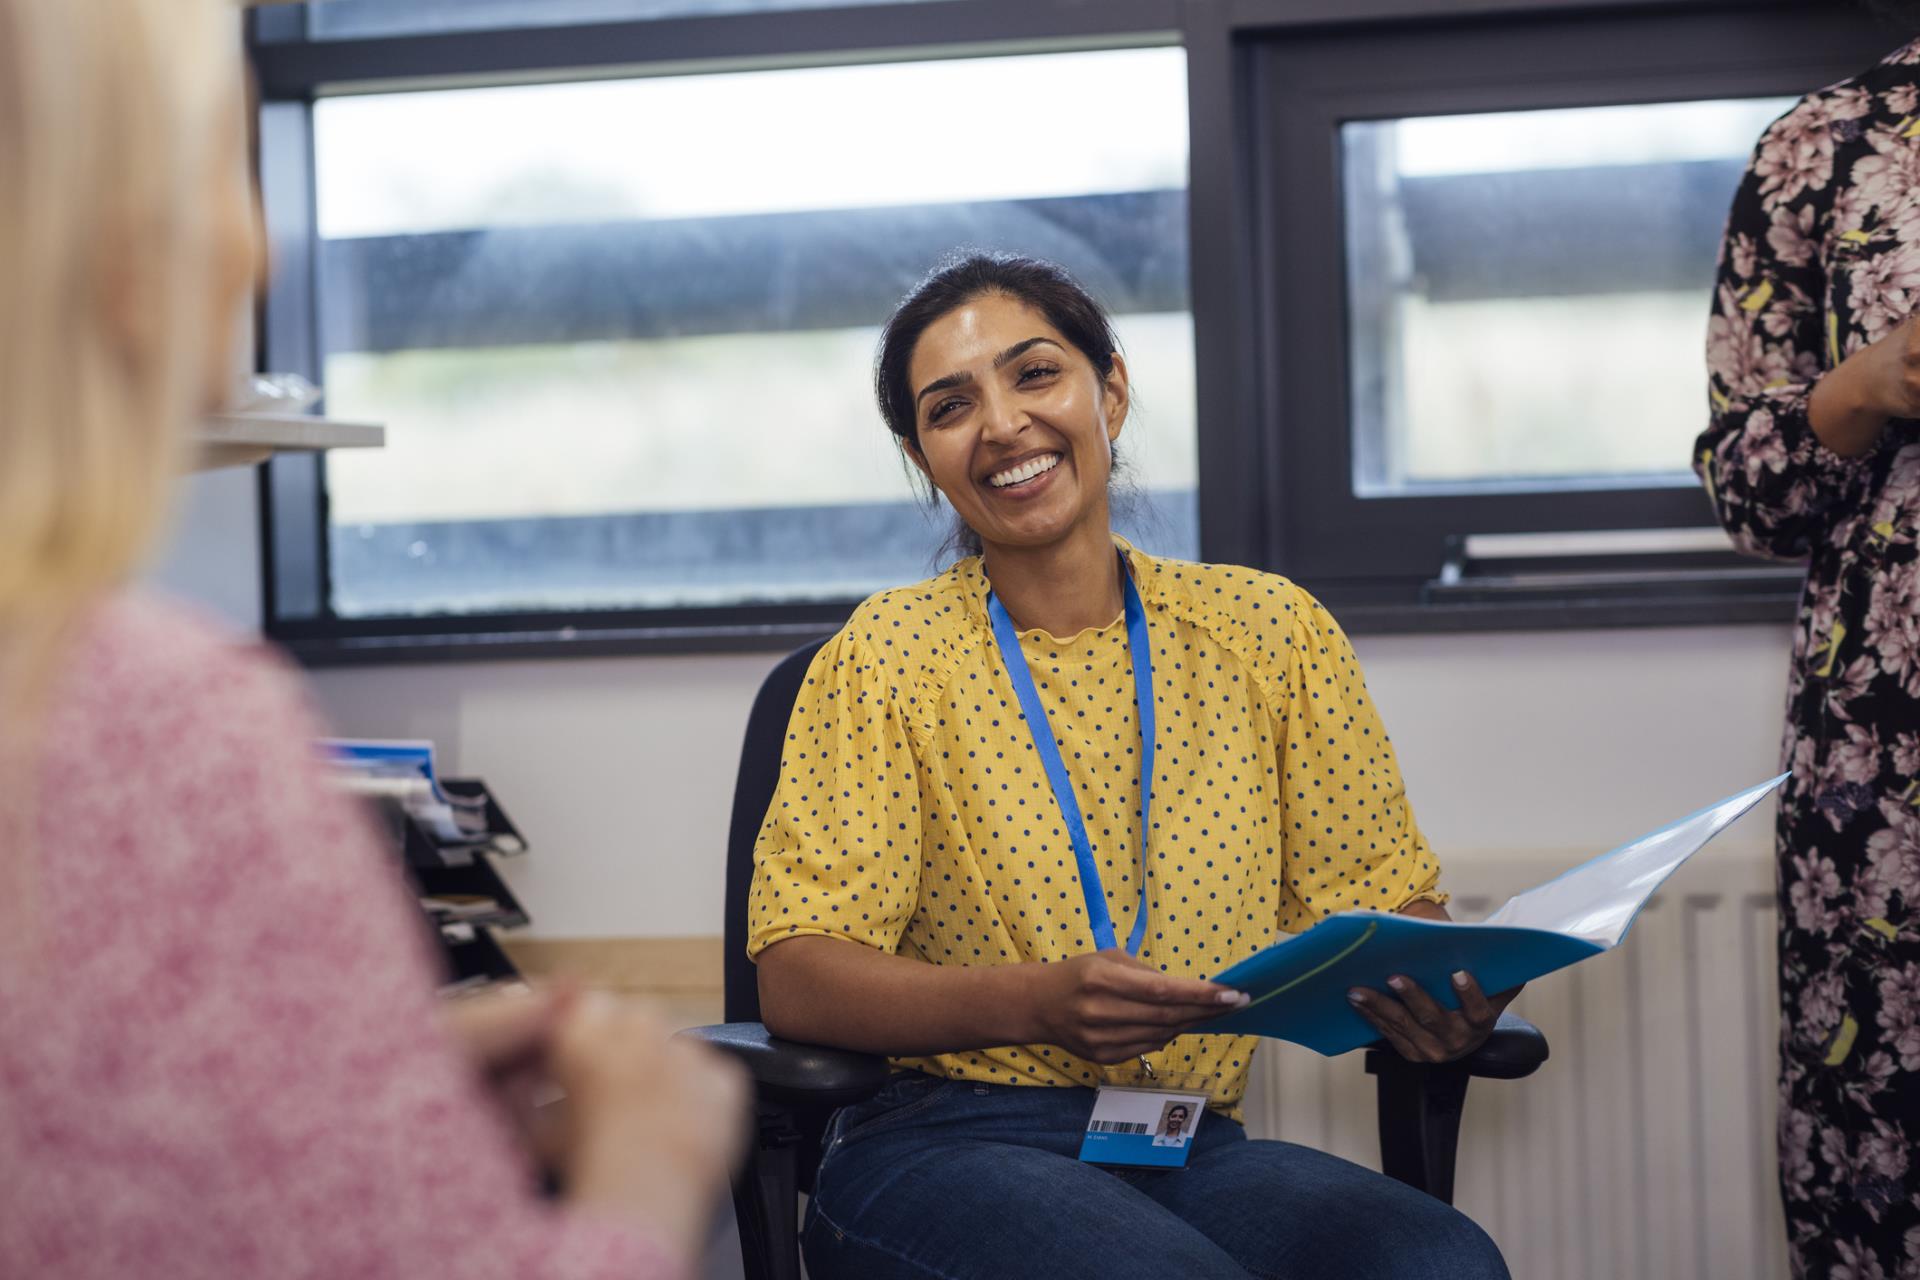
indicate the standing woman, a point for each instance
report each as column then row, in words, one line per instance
column 1027, row 807
column 220, row 1052
column 1814, row 451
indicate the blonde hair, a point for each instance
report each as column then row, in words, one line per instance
column 108, row 118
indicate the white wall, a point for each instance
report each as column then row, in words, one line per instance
column 1579, row 739
column 212, row 550
column 620, row 771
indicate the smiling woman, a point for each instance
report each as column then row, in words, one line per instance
column 1027, row 807
column 1018, row 434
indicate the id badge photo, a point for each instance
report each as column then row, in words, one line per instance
column 1149, row 1123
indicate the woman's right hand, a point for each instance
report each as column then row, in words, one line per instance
column 654, row 1123
column 1108, row 1007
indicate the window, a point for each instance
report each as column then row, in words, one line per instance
column 1525, row 290
column 1403, row 293
column 625, row 362
column 1510, row 339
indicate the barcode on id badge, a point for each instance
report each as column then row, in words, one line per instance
column 1115, row 1126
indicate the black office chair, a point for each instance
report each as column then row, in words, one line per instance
column 799, row 1086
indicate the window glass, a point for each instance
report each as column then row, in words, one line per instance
column 1528, row 291
column 621, row 332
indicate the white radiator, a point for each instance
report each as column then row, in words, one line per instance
column 1644, row 1147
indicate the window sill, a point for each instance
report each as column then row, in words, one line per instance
column 346, row 647
column 1768, row 598
column 1567, row 612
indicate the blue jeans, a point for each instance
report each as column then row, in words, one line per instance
column 950, row 1179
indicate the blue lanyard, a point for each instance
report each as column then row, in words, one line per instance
column 1141, row 653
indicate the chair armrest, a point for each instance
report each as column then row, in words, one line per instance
column 797, row 1074
column 1420, row 1103
column 1514, row 1050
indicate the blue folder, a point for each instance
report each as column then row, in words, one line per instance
column 1300, row 986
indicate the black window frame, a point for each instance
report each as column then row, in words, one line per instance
column 1307, row 84
column 1267, row 433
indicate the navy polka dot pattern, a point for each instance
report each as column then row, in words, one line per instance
column 913, row 814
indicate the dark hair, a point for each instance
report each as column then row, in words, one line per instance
column 1045, row 287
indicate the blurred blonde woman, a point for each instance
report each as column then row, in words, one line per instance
column 220, row 1054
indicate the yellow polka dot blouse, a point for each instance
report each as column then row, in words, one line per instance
column 913, row 814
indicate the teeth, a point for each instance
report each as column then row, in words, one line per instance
column 1025, row 471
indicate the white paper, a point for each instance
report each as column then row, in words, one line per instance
column 1599, row 899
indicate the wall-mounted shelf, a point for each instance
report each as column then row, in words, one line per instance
column 246, row 439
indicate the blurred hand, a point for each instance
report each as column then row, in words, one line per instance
column 1108, row 1007
column 1419, row 1029
column 507, row 1034
column 648, row 1126
column 506, row 1027
column 654, row 1123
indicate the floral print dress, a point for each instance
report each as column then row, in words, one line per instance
column 1821, row 258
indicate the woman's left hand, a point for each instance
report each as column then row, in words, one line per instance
column 506, row 1034
column 1419, row 1029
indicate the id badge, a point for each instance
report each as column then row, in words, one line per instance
column 1146, row 1125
